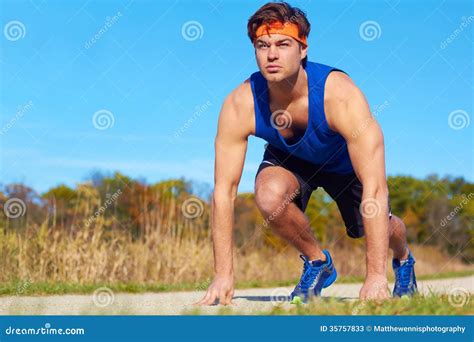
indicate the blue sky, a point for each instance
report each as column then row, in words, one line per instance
column 161, row 86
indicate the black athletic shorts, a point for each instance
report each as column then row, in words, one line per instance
column 346, row 189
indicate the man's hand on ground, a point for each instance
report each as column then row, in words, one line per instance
column 375, row 288
column 222, row 288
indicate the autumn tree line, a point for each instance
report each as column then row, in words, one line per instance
column 437, row 211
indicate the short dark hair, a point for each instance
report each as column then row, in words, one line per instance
column 279, row 12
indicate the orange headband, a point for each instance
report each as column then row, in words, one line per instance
column 287, row 29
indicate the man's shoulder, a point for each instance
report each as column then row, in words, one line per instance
column 340, row 94
column 241, row 97
column 239, row 107
column 339, row 87
column 240, row 100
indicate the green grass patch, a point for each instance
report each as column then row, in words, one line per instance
column 351, row 279
column 419, row 305
column 24, row 288
column 61, row 288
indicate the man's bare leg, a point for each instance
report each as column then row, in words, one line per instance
column 274, row 188
column 274, row 185
column 398, row 238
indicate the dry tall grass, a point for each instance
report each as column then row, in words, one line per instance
column 170, row 257
column 174, row 247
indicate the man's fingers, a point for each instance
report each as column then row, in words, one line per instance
column 222, row 298
column 228, row 298
column 203, row 299
column 210, row 299
column 225, row 298
column 383, row 296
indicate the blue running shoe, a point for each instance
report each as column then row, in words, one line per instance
column 405, row 279
column 317, row 275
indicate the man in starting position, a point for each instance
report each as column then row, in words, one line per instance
column 320, row 133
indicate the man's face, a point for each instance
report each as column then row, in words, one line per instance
column 278, row 56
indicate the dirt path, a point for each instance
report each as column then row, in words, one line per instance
column 175, row 303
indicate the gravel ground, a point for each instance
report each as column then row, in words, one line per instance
column 249, row 301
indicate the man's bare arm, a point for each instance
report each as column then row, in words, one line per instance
column 351, row 117
column 230, row 149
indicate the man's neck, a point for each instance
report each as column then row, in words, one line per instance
column 289, row 89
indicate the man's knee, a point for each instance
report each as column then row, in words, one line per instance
column 271, row 197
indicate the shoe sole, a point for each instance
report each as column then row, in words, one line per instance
column 330, row 279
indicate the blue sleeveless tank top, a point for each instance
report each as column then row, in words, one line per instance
column 319, row 145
